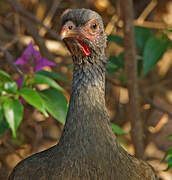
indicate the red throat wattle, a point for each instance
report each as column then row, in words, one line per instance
column 84, row 47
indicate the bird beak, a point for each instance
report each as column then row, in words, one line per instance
column 78, row 35
column 70, row 34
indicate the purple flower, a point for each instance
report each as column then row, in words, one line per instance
column 31, row 61
column 19, row 82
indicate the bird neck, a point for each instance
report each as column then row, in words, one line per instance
column 87, row 112
column 89, row 71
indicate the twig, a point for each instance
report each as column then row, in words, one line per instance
column 157, row 85
column 152, row 25
column 147, row 11
column 9, row 58
column 55, row 47
column 39, row 40
column 114, row 83
column 110, row 26
column 16, row 24
column 11, row 43
column 11, row 148
column 147, row 24
column 49, row 17
column 28, row 15
column 134, row 117
column 149, row 100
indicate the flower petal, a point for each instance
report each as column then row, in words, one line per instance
column 19, row 82
column 28, row 52
column 43, row 62
column 32, row 60
column 36, row 55
column 20, row 61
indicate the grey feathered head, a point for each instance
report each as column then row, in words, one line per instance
column 83, row 32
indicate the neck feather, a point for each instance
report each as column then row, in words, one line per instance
column 87, row 115
column 89, row 72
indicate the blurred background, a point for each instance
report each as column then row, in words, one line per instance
column 23, row 21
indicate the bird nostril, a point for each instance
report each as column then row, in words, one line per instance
column 70, row 27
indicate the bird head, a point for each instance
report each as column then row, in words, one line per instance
column 83, row 32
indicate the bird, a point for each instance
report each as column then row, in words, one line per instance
column 88, row 148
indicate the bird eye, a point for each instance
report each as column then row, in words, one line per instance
column 94, row 26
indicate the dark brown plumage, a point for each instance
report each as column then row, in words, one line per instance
column 88, row 149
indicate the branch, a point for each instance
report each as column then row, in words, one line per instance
column 49, row 17
column 9, row 58
column 147, row 11
column 152, row 25
column 11, row 43
column 111, row 25
column 149, row 100
column 134, row 117
column 114, row 83
column 39, row 40
column 11, row 148
column 31, row 17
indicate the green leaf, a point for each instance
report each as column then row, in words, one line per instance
column 33, row 98
column 10, row 87
column 122, row 77
column 52, row 75
column 1, row 112
column 55, row 103
column 3, row 124
column 170, row 136
column 41, row 79
column 111, row 68
column 115, row 63
column 170, row 44
column 169, row 152
column 142, row 35
column 116, row 39
column 170, row 30
column 117, row 129
column 120, row 60
column 111, row 65
column 153, row 51
column 70, row 66
column 139, row 67
column 4, row 76
column 169, row 161
column 13, row 111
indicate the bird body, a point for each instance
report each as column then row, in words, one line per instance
column 88, row 149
